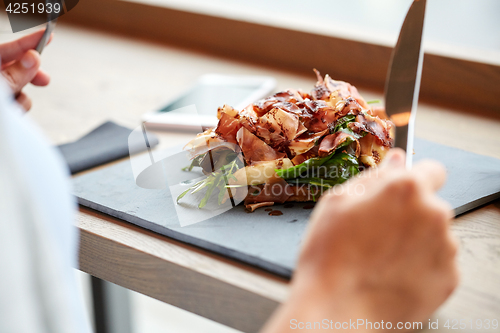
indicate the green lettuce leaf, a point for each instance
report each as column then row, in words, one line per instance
column 308, row 165
column 342, row 123
column 336, row 170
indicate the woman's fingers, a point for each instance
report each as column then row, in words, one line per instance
column 41, row 79
column 430, row 174
column 23, row 71
column 395, row 158
column 16, row 49
column 20, row 65
column 23, row 100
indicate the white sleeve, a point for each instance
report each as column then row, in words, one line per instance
column 38, row 242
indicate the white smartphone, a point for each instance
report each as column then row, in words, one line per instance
column 196, row 109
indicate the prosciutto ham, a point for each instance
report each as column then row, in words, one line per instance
column 331, row 142
column 207, row 141
column 254, row 149
column 295, row 126
column 305, row 142
column 375, row 126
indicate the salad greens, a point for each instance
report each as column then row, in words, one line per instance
column 322, row 172
column 299, row 169
column 325, row 172
column 215, row 180
column 310, row 165
column 195, row 163
column 342, row 123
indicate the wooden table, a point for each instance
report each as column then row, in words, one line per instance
column 98, row 76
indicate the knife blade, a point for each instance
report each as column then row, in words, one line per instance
column 51, row 24
column 46, row 36
column 403, row 78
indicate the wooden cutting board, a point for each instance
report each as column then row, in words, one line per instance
column 269, row 242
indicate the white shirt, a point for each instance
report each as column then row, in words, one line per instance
column 38, row 242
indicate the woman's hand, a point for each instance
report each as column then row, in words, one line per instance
column 378, row 248
column 21, row 65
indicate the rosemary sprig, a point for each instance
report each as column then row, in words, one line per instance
column 218, row 179
column 196, row 162
column 189, row 189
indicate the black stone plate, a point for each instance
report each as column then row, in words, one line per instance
column 268, row 242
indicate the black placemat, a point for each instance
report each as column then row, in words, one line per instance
column 269, row 242
column 104, row 144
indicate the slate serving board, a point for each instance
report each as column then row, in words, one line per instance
column 269, row 242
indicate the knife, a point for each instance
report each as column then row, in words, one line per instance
column 46, row 36
column 51, row 24
column 403, row 78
